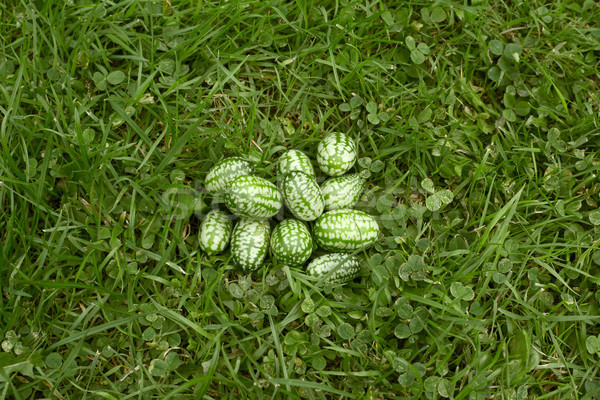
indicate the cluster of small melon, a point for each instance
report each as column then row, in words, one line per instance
column 336, row 227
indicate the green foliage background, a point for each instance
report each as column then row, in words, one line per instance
column 477, row 125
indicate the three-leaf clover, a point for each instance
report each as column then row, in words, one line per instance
column 513, row 106
column 374, row 116
column 368, row 166
column 413, row 268
column 417, row 52
column 508, row 56
column 461, row 292
column 438, row 198
column 555, row 141
column 103, row 77
column 353, row 107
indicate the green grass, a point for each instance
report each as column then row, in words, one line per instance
column 478, row 129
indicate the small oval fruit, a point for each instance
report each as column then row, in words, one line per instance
column 223, row 172
column 336, row 154
column 338, row 267
column 302, row 195
column 215, row 232
column 345, row 230
column 294, row 160
column 291, row 243
column 253, row 197
column 249, row 243
column 342, row 191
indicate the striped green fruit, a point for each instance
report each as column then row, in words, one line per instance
column 291, row 243
column 302, row 195
column 294, row 160
column 223, row 172
column 249, row 242
column 253, row 197
column 345, row 230
column 215, row 232
column 336, row 154
column 342, row 191
column 338, row 267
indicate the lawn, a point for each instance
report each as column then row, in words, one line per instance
column 477, row 126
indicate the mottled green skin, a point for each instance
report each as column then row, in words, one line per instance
column 223, row 172
column 249, row 243
column 345, row 230
column 291, row 243
column 302, row 195
column 345, row 267
column 294, row 160
column 336, row 154
column 215, row 232
column 253, row 197
column 342, row 191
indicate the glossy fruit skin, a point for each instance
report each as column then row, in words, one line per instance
column 223, row 172
column 302, row 195
column 291, row 242
column 345, row 267
column 253, row 197
column 345, row 230
column 342, row 191
column 336, row 154
column 294, row 160
column 215, row 232
column 249, row 243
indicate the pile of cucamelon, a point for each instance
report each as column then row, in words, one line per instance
column 336, row 227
